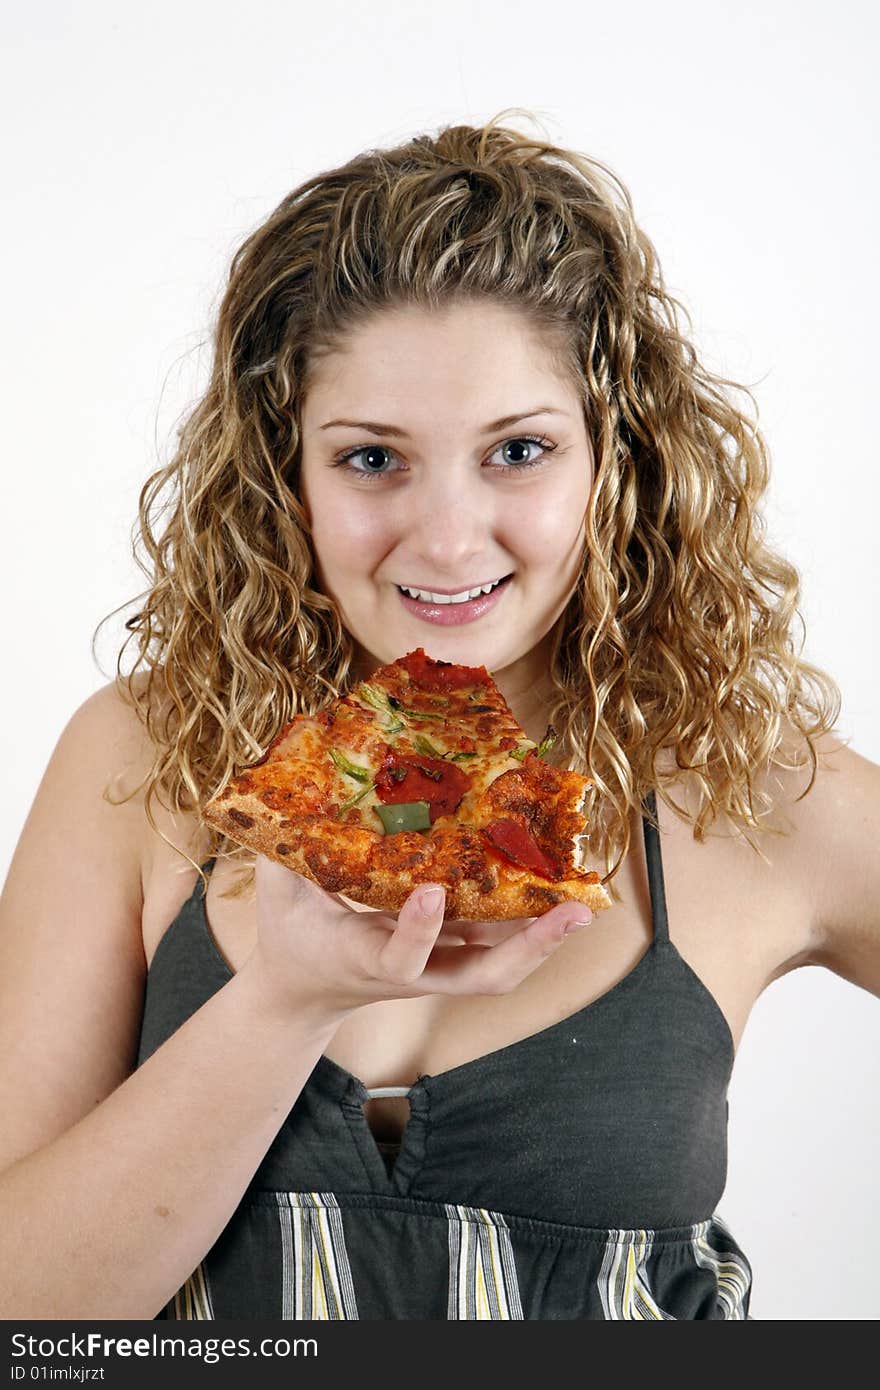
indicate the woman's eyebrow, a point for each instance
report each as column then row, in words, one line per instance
column 374, row 427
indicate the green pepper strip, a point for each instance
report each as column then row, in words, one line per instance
column 352, row 800
column 361, row 774
column 424, row 745
column 521, row 752
column 547, row 741
column 378, row 701
column 373, row 696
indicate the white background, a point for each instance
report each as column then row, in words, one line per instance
column 143, row 144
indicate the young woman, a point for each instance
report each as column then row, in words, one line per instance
column 441, row 368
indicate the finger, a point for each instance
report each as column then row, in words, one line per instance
column 500, row 968
column 404, row 954
column 479, row 933
column 285, row 885
column 475, row 933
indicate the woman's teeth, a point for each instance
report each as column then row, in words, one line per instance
column 463, row 597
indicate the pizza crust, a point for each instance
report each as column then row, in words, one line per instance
column 382, row 870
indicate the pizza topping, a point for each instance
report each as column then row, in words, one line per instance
column 397, row 712
column 442, row 702
column 377, row 699
column 372, row 695
column 547, row 741
column 516, row 842
column 440, row 675
column 524, row 749
column 353, row 800
column 360, row 774
column 433, row 780
column 424, row 745
column 402, row 711
column 405, row 815
column 522, row 752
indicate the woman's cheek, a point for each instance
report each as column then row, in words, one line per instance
column 348, row 531
column 548, row 531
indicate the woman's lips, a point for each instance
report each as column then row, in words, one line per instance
column 451, row 614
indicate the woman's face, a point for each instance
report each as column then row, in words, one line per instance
column 442, row 490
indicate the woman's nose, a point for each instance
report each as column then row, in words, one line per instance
column 449, row 518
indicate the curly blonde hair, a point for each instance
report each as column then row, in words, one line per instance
column 678, row 637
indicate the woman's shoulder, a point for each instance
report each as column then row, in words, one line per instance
column 111, row 711
column 108, row 738
column 819, row 838
column 109, row 720
column 102, row 759
column 813, row 855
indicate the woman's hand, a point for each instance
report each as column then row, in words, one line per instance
column 315, row 952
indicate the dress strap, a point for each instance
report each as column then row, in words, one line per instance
column 655, row 871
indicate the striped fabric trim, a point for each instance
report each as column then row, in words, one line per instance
column 624, row 1287
column 482, row 1269
column 732, row 1273
column 192, row 1302
column 316, row 1282
column 316, row 1278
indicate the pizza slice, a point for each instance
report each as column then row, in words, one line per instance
column 419, row 774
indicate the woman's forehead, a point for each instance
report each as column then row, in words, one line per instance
column 492, row 363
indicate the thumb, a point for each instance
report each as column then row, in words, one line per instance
column 282, row 882
column 428, row 899
column 404, row 955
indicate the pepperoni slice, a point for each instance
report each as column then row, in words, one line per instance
column 410, row 777
column 517, row 843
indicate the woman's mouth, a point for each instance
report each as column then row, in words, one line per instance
column 460, row 611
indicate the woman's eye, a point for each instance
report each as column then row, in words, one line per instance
column 516, row 456
column 519, row 454
column 372, row 457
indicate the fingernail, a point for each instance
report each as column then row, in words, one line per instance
column 431, row 900
column 577, row 922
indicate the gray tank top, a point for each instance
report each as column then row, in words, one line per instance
column 571, row 1175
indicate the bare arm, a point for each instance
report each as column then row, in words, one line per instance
column 114, row 1183
column 111, row 1218
column 842, row 816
